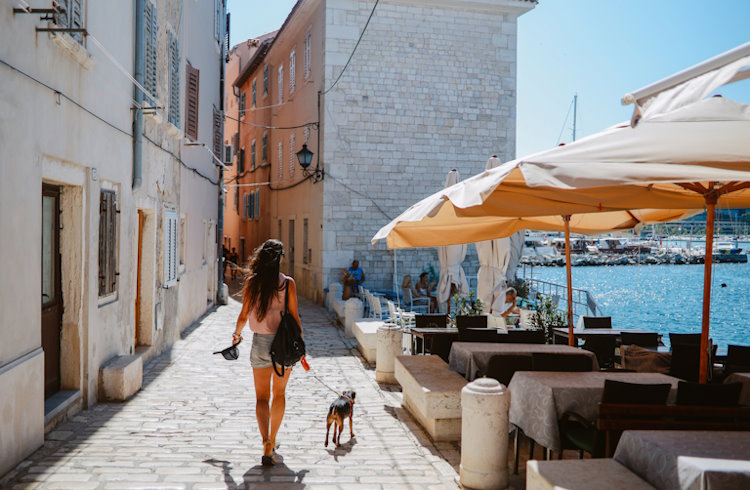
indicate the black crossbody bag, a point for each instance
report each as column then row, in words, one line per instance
column 287, row 347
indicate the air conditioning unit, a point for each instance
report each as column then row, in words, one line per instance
column 228, row 155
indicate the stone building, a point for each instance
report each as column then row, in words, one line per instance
column 109, row 195
column 431, row 87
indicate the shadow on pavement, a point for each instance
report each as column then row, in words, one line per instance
column 343, row 449
column 277, row 476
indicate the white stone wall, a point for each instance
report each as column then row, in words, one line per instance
column 430, row 88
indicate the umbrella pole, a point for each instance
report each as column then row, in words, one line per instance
column 571, row 337
column 710, row 210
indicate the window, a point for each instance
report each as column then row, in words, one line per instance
column 242, row 104
column 169, row 230
column 308, row 54
column 241, row 161
column 192, row 89
column 281, row 161
column 206, row 239
column 71, row 17
column 250, row 205
column 237, row 199
column 292, row 70
column 265, row 80
column 151, row 26
column 174, row 80
column 292, row 154
column 244, row 206
column 255, row 93
column 228, row 156
column 107, row 243
column 279, row 235
column 281, row 84
column 305, row 255
column 217, row 20
column 264, row 154
column 252, row 155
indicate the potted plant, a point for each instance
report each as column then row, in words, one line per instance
column 468, row 312
column 546, row 317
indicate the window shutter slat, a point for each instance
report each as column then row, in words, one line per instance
column 192, row 90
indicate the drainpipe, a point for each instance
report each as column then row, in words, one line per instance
column 138, row 95
column 220, row 224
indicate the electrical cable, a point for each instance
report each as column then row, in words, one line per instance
column 364, row 29
column 255, row 125
column 66, row 97
column 361, row 194
column 564, row 123
column 188, row 167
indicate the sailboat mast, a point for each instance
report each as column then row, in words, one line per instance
column 575, row 111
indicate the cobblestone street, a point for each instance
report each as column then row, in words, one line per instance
column 192, row 426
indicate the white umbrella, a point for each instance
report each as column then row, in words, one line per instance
column 450, row 258
column 494, row 259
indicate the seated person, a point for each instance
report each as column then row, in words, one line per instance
column 358, row 276
column 510, row 307
column 406, row 285
column 423, row 291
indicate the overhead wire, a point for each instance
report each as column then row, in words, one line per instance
column 185, row 165
column 66, row 97
column 362, row 34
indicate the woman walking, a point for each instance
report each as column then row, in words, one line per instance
column 263, row 300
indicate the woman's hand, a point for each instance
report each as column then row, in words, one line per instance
column 236, row 338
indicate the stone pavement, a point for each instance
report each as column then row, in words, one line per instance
column 192, row 426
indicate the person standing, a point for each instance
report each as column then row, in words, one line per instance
column 358, row 276
column 263, row 300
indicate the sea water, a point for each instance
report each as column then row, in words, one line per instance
column 666, row 298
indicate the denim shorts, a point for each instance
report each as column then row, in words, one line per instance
column 260, row 352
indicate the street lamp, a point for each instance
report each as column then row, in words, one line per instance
column 304, row 156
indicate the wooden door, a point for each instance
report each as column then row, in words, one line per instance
column 52, row 308
column 138, row 279
column 290, row 248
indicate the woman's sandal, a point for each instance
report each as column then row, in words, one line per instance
column 267, row 460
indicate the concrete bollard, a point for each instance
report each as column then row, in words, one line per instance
column 389, row 346
column 484, row 435
column 353, row 311
column 335, row 290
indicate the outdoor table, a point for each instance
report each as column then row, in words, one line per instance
column 427, row 335
column 561, row 333
column 743, row 378
column 692, row 460
column 539, row 398
column 470, row 359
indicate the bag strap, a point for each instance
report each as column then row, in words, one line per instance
column 273, row 363
column 286, row 296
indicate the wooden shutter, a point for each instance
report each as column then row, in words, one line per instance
column 227, row 45
column 76, row 19
column 174, row 80
column 257, row 204
column 62, row 19
column 151, row 27
column 192, row 81
column 107, row 243
column 218, row 133
column 236, row 142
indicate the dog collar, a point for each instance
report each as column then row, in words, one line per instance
column 348, row 399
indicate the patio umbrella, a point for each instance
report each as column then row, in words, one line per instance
column 450, row 258
column 695, row 156
column 494, row 259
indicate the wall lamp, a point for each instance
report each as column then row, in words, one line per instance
column 304, row 156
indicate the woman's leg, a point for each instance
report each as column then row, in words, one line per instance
column 278, row 404
column 262, row 379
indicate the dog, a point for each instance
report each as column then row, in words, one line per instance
column 340, row 409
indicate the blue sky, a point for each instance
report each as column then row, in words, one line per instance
column 600, row 49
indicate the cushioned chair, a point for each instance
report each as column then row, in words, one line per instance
column 714, row 395
column 685, row 362
column 597, row 322
column 503, row 367
column 578, row 433
column 603, row 348
column 684, row 338
column 523, row 337
column 643, row 339
column 738, row 359
column 545, row 361
column 437, row 320
column 477, row 335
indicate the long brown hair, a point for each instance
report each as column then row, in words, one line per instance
column 262, row 280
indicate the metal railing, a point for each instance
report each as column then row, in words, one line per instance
column 583, row 301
